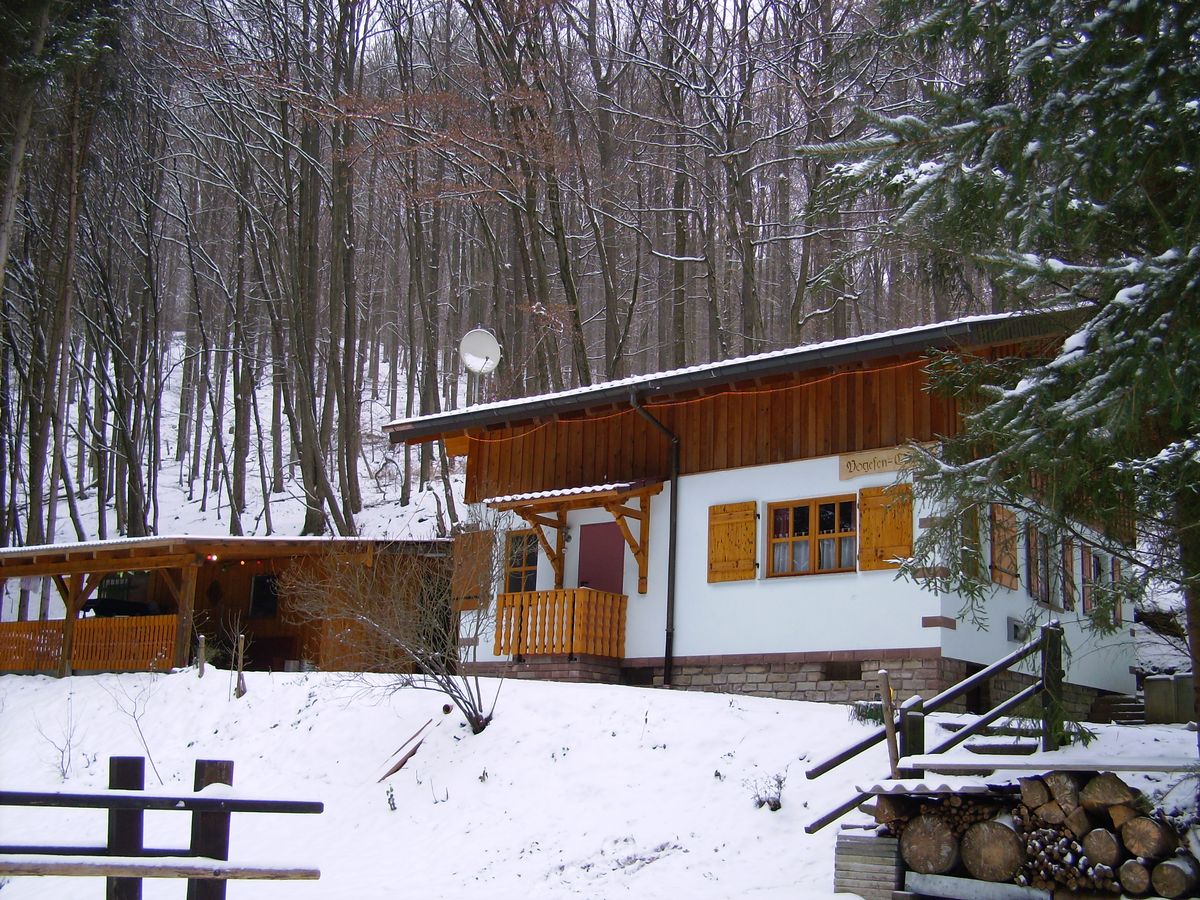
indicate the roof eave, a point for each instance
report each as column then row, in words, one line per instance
column 960, row 333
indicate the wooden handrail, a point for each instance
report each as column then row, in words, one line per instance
column 1049, row 642
column 135, row 800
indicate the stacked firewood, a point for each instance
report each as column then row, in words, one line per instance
column 1064, row 833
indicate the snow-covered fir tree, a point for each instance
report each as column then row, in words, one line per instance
column 1056, row 148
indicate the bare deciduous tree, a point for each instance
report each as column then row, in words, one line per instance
column 414, row 611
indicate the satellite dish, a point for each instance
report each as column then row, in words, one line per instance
column 480, row 351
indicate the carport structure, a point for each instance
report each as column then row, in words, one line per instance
column 173, row 574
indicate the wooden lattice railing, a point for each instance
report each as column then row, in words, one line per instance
column 569, row 621
column 124, row 643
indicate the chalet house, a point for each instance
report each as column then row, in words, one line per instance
column 736, row 526
column 137, row 604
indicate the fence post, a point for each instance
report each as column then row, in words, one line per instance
column 125, row 826
column 210, row 830
column 1052, row 684
column 912, row 732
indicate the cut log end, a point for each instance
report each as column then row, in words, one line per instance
column 1149, row 838
column 991, row 851
column 1176, row 877
column 1135, row 877
column 929, row 846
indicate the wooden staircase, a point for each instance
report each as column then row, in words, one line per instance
column 1122, row 709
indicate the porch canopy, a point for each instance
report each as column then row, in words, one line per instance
column 77, row 570
column 628, row 502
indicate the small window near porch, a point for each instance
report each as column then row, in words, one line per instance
column 520, row 572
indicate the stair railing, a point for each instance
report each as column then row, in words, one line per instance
column 910, row 722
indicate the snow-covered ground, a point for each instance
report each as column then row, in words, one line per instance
column 574, row 790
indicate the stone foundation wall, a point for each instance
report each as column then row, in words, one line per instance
column 828, row 677
column 833, row 677
column 582, row 668
column 844, row 677
column 1078, row 701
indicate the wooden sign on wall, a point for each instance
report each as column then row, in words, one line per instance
column 871, row 462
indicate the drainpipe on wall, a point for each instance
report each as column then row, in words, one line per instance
column 669, row 648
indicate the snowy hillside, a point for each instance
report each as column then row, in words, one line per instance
column 574, row 790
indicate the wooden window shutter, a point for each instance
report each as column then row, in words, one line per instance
column 885, row 525
column 1086, row 554
column 1032, row 574
column 1004, row 547
column 1116, row 579
column 1068, row 567
column 471, row 575
column 971, row 554
column 732, row 541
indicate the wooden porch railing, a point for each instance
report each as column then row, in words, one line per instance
column 123, row 643
column 570, row 621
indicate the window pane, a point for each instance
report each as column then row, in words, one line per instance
column 779, row 523
column 779, row 558
column 826, row 554
column 800, row 521
column 529, row 582
column 514, row 582
column 846, row 515
column 800, row 553
column 825, row 518
column 847, row 561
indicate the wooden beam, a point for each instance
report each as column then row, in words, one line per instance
column 74, row 591
column 105, row 566
column 168, row 577
column 187, row 604
column 638, row 545
column 553, row 553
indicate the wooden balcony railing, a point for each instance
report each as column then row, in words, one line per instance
column 570, row 621
column 120, row 644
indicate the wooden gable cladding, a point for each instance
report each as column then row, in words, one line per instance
column 800, row 417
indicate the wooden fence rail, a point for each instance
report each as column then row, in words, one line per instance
column 570, row 621
column 123, row 643
column 124, row 860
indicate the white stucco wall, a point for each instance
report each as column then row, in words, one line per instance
column 844, row 611
column 1092, row 659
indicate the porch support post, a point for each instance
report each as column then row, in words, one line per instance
column 187, row 605
column 539, row 522
column 75, row 590
column 73, row 603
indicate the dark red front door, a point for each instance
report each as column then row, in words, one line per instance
column 602, row 557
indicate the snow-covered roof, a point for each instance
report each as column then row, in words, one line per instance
column 162, row 546
column 160, row 540
column 616, row 487
column 967, row 331
column 563, row 492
